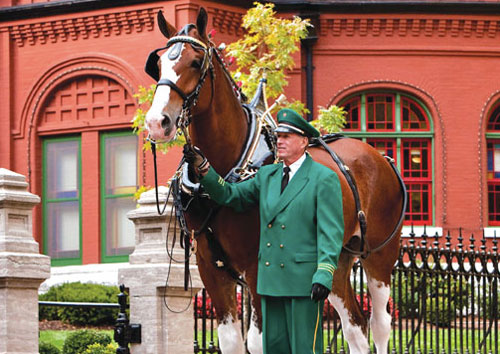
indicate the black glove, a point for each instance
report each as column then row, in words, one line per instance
column 194, row 157
column 319, row 292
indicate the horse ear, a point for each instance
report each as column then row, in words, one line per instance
column 201, row 23
column 166, row 28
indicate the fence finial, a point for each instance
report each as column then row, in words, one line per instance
column 472, row 241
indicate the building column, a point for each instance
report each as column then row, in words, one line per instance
column 155, row 283
column 91, row 179
column 22, row 268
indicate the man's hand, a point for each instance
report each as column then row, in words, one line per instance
column 319, row 292
column 195, row 158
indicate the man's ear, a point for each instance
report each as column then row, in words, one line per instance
column 305, row 141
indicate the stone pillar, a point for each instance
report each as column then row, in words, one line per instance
column 155, row 283
column 22, row 268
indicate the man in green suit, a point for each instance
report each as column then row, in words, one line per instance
column 301, row 234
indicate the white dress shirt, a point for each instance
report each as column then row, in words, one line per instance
column 294, row 167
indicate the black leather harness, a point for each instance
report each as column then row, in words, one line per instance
column 363, row 251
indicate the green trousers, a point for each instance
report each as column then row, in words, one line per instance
column 292, row 325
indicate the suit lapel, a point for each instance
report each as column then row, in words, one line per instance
column 278, row 201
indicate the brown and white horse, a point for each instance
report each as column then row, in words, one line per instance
column 193, row 84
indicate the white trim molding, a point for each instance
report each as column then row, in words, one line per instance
column 419, row 230
column 491, row 232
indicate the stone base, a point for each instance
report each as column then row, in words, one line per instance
column 22, row 268
column 163, row 331
column 19, row 315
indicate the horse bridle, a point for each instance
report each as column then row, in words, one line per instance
column 190, row 99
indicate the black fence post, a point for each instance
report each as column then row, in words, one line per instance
column 125, row 332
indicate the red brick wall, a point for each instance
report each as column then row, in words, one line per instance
column 449, row 62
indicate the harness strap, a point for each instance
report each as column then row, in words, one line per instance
column 403, row 209
column 219, row 257
column 187, row 39
column 352, row 183
column 160, row 212
column 167, row 82
column 361, row 215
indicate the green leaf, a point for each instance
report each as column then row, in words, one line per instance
column 266, row 48
column 331, row 119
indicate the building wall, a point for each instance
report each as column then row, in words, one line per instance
column 448, row 61
column 41, row 54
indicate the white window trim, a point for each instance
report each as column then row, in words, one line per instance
column 489, row 232
column 419, row 230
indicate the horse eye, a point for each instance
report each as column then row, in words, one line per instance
column 196, row 64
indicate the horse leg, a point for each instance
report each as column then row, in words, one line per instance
column 230, row 338
column 343, row 300
column 378, row 268
column 254, row 336
column 222, row 290
column 380, row 320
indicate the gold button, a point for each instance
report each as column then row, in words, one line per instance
column 282, row 265
column 267, row 263
column 270, row 225
column 281, row 246
column 283, row 227
column 269, row 244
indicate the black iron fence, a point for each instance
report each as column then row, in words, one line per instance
column 444, row 299
column 124, row 332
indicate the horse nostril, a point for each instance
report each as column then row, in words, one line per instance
column 165, row 123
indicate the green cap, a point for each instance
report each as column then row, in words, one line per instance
column 290, row 121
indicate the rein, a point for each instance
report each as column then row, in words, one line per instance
column 189, row 100
column 363, row 252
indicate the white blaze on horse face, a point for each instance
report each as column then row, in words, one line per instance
column 230, row 339
column 358, row 344
column 161, row 117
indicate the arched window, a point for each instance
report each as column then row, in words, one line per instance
column 88, row 145
column 493, row 156
column 399, row 126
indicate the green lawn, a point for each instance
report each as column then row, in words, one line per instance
column 439, row 341
column 57, row 337
column 457, row 342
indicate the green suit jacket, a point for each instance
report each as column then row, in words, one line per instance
column 301, row 230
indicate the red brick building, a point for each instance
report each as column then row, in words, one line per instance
column 418, row 78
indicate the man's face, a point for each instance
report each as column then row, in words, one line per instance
column 291, row 146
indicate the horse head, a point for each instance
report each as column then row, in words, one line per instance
column 180, row 71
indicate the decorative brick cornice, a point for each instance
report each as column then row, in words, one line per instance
column 403, row 27
column 84, row 27
column 226, row 21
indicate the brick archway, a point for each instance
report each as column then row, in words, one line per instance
column 90, row 100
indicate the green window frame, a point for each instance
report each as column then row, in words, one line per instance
column 117, row 190
column 493, row 165
column 400, row 126
column 61, row 200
